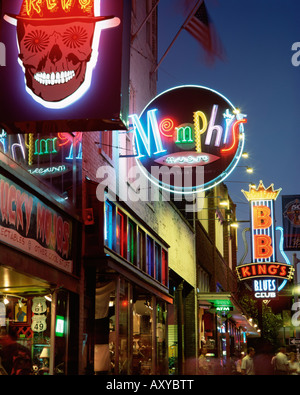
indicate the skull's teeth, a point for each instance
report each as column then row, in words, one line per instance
column 54, row 78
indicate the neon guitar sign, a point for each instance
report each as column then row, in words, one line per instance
column 264, row 266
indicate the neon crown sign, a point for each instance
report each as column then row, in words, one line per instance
column 188, row 138
column 58, row 47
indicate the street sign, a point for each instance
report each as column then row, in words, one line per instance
column 293, row 341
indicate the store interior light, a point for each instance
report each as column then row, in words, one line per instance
column 234, row 225
column 48, row 297
column 45, row 353
column 245, row 155
column 249, row 170
column 5, row 300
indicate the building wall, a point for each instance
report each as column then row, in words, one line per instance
column 162, row 216
column 216, row 240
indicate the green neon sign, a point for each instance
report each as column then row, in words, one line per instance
column 60, row 326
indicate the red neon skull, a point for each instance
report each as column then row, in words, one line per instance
column 55, row 57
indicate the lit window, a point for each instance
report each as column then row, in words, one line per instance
column 164, row 267
column 150, row 257
column 141, row 251
column 158, row 262
column 121, row 238
column 109, row 224
column 131, row 245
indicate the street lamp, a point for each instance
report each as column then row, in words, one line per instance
column 248, row 169
column 224, row 203
column 235, row 224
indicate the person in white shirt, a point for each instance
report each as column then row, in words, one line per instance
column 281, row 363
column 247, row 366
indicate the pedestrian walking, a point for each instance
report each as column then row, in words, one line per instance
column 205, row 366
column 280, row 362
column 247, row 366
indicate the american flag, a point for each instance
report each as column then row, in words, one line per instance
column 199, row 25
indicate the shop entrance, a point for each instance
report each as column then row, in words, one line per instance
column 34, row 326
column 130, row 330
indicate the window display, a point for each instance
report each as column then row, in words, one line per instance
column 27, row 344
column 25, row 335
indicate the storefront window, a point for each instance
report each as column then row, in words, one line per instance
column 172, row 340
column 161, row 344
column 25, row 335
column 142, row 336
column 105, row 328
column 127, row 341
column 32, row 341
column 124, row 305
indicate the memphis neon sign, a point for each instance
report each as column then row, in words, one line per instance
column 191, row 128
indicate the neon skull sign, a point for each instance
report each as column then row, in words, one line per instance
column 58, row 42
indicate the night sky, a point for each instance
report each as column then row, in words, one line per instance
column 257, row 76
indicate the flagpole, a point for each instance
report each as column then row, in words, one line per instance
column 144, row 22
column 179, row 31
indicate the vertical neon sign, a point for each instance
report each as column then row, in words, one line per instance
column 263, row 243
column 264, row 267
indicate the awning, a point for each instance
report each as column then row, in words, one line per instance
column 209, row 300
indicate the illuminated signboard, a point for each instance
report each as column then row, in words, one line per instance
column 188, row 138
column 265, row 289
column 29, row 225
column 291, row 222
column 257, row 270
column 264, row 268
column 67, row 65
column 60, row 326
column 54, row 158
column 224, row 308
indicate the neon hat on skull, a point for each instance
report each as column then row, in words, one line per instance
column 44, row 11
